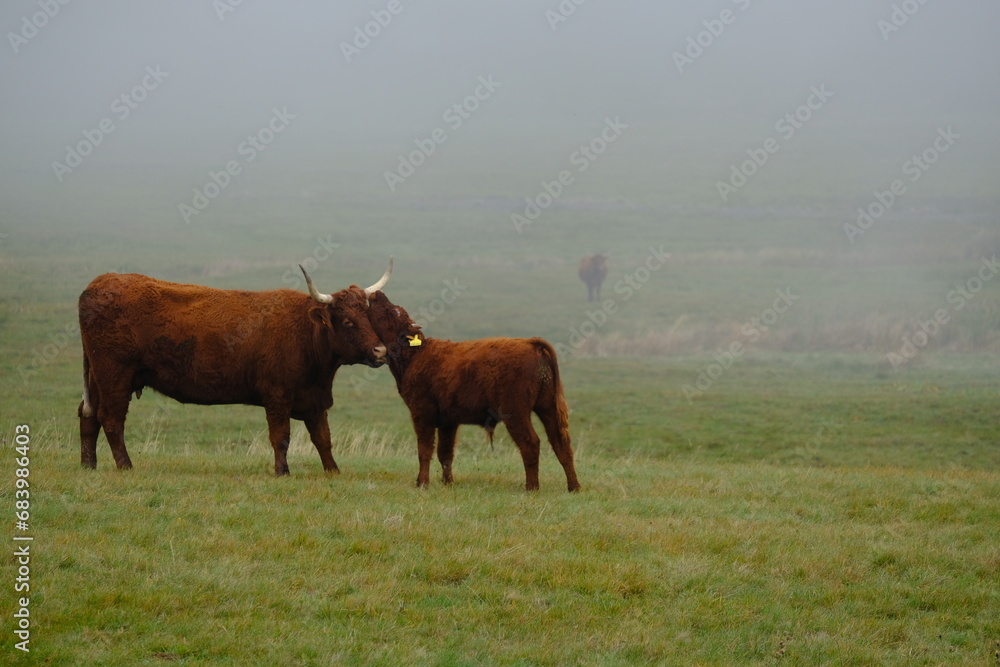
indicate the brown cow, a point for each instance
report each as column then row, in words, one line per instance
column 278, row 350
column 593, row 270
column 482, row 382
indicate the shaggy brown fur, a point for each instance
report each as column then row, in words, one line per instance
column 278, row 350
column 482, row 382
column 593, row 270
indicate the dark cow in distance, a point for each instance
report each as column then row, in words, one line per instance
column 593, row 271
column 482, row 382
column 278, row 349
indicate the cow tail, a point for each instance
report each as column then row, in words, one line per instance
column 87, row 406
column 562, row 409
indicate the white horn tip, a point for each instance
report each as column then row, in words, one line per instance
column 313, row 292
column 382, row 281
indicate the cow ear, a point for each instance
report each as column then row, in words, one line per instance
column 321, row 316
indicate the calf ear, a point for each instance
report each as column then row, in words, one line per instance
column 320, row 315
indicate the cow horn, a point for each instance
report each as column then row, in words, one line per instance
column 313, row 292
column 382, row 281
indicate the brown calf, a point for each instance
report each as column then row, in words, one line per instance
column 482, row 382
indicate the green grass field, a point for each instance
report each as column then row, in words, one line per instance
column 809, row 504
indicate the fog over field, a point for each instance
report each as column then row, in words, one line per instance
column 896, row 71
column 731, row 131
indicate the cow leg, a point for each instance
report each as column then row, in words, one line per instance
column 425, row 450
column 561, row 445
column 90, row 429
column 109, row 401
column 90, row 425
column 524, row 436
column 319, row 433
column 446, row 450
column 279, row 431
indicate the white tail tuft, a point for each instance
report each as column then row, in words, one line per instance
column 88, row 410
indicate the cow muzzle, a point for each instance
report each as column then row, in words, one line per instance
column 378, row 356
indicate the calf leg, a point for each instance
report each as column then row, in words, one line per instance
column 446, row 450
column 279, row 431
column 425, row 450
column 560, row 441
column 524, row 436
column 319, row 432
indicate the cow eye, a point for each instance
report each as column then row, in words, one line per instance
column 348, row 323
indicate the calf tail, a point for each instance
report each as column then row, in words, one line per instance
column 561, row 408
column 554, row 412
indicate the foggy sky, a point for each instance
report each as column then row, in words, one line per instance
column 559, row 81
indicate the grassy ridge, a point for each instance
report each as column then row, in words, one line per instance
column 684, row 562
column 711, row 531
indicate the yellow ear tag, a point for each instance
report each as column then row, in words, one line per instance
column 415, row 341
